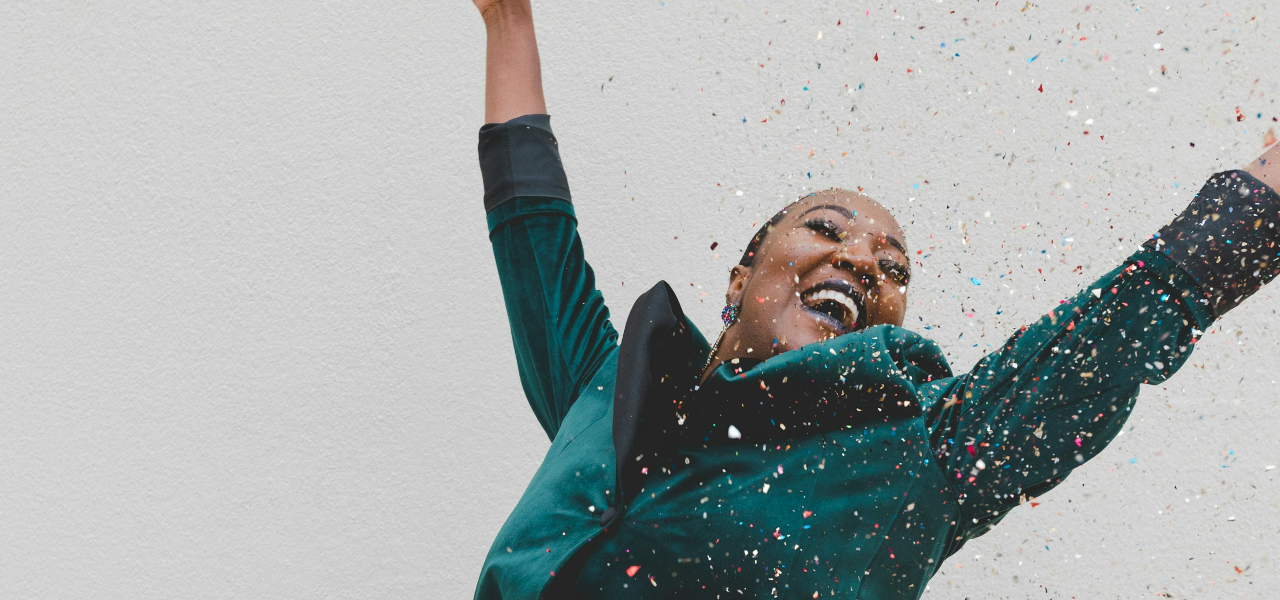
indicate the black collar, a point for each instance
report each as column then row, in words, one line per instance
column 658, row 343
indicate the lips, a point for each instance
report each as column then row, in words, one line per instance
column 838, row 303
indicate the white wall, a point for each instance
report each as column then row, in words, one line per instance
column 251, row 338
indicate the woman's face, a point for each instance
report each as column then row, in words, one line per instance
column 836, row 263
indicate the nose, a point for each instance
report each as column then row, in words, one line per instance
column 855, row 258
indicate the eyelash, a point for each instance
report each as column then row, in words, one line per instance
column 826, row 228
column 832, row 231
column 895, row 270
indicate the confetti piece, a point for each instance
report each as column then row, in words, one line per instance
column 632, row 570
column 975, row 281
column 714, row 244
column 1042, row 88
column 734, row 434
column 877, row 57
column 1269, row 138
column 1033, row 59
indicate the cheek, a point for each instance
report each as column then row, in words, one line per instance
column 895, row 304
column 891, row 298
column 763, row 301
column 797, row 329
column 897, row 292
column 780, row 312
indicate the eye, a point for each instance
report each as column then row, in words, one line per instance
column 895, row 270
column 826, row 228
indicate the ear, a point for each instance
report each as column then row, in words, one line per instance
column 738, row 279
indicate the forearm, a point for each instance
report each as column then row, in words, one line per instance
column 513, row 74
column 1137, row 324
column 1133, row 325
column 1061, row 388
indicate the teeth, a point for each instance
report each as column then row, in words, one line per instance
column 840, row 297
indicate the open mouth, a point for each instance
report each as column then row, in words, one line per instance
column 837, row 303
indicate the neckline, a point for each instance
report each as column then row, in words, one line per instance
column 860, row 378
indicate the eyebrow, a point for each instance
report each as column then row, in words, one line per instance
column 840, row 209
column 893, row 241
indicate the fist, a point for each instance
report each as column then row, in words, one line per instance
column 1227, row 239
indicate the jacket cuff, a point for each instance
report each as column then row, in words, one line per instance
column 1227, row 239
column 521, row 158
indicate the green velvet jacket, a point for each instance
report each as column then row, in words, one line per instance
column 856, row 465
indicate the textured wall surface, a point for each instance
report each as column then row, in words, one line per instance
column 252, row 342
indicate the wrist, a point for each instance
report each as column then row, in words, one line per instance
column 1267, row 168
column 505, row 14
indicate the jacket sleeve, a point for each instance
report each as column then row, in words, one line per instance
column 1057, row 392
column 559, row 323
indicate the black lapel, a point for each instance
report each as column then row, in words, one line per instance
column 654, row 316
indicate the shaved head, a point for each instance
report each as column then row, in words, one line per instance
column 832, row 196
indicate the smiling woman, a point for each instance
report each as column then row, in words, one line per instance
column 828, row 264
column 819, row 448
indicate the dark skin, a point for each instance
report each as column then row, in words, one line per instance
column 817, row 246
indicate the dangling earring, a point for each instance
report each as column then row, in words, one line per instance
column 728, row 315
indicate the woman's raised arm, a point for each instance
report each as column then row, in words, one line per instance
column 513, row 75
column 1057, row 392
column 559, row 323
